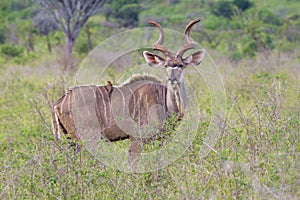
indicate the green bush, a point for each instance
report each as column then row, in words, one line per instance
column 2, row 35
column 83, row 47
column 213, row 22
column 126, row 12
column 227, row 9
column 11, row 50
column 223, row 8
column 243, row 4
column 250, row 48
column 268, row 17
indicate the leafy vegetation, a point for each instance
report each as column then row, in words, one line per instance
column 256, row 48
column 263, row 26
column 126, row 12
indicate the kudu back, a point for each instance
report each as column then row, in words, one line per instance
column 144, row 99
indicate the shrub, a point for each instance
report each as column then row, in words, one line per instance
column 227, row 9
column 213, row 22
column 11, row 50
column 126, row 12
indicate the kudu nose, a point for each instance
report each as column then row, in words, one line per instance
column 173, row 80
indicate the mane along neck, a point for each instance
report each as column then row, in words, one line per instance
column 141, row 78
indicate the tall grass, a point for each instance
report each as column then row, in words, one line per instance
column 257, row 156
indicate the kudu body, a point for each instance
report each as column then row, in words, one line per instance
column 143, row 99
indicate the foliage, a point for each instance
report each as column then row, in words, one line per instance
column 12, row 50
column 227, row 9
column 2, row 34
column 44, row 23
column 243, row 4
column 223, row 8
column 71, row 16
column 276, row 26
column 213, row 22
column 256, row 47
column 257, row 34
column 126, row 12
column 256, row 157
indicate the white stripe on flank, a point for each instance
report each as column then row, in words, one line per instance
column 147, row 109
column 57, row 123
column 123, row 99
column 104, row 104
column 132, row 94
column 83, row 97
column 139, row 112
column 69, row 106
column 109, row 110
column 63, row 101
column 94, row 94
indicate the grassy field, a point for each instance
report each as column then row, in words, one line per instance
column 256, row 157
column 256, row 154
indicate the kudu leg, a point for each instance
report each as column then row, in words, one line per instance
column 75, row 146
column 134, row 151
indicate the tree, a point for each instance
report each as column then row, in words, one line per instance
column 45, row 25
column 71, row 15
column 106, row 11
column 28, row 34
column 256, row 36
column 222, row 8
column 227, row 9
column 126, row 11
column 3, row 28
column 243, row 4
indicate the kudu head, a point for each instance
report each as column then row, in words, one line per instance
column 174, row 63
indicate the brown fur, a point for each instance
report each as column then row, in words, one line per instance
column 151, row 92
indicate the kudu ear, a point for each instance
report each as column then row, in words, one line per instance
column 196, row 58
column 153, row 59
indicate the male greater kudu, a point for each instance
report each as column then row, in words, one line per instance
column 144, row 99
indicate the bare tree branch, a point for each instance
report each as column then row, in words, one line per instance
column 71, row 15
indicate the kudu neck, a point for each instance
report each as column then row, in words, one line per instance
column 176, row 98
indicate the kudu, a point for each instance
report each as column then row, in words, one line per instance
column 143, row 99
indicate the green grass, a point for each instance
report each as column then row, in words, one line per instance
column 257, row 156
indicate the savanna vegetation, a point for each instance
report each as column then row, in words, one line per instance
column 254, row 44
